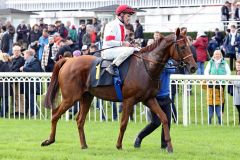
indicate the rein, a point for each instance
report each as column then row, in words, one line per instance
column 145, row 66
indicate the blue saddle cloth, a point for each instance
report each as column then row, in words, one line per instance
column 100, row 77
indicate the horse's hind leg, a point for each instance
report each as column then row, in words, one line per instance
column 127, row 107
column 155, row 108
column 56, row 114
column 85, row 103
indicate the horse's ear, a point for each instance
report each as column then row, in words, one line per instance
column 177, row 32
column 184, row 33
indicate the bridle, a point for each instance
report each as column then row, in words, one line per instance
column 180, row 51
column 181, row 63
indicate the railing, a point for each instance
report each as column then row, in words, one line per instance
column 39, row 5
column 190, row 100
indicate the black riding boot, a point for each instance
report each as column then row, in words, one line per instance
column 146, row 131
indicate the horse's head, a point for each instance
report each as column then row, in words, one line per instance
column 181, row 52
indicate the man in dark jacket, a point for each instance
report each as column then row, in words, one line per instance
column 11, row 31
column 225, row 14
column 34, row 36
column 17, row 62
column 32, row 89
column 4, row 86
column 81, row 32
column 139, row 30
column 22, row 31
column 5, row 40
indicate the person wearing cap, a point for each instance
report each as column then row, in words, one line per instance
column 77, row 53
column 85, row 50
column 201, row 44
column 114, row 36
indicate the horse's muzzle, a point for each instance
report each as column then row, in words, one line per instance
column 193, row 69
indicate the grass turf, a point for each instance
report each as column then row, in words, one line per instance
column 21, row 139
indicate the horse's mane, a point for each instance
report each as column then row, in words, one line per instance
column 152, row 46
column 156, row 43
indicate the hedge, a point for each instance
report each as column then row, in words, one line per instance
column 149, row 35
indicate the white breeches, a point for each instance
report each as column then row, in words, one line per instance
column 119, row 54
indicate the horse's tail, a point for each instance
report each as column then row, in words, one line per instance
column 54, row 85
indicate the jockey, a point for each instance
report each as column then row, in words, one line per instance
column 114, row 35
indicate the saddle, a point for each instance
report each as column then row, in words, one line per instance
column 100, row 77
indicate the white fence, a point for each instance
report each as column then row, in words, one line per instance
column 190, row 100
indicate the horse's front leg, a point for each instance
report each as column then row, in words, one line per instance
column 155, row 108
column 126, row 108
column 81, row 117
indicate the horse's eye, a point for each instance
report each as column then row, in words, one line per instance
column 183, row 48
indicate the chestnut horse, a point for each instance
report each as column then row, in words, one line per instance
column 141, row 84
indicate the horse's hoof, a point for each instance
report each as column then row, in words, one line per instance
column 84, row 147
column 169, row 149
column 46, row 143
column 119, row 147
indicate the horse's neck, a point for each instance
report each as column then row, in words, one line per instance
column 161, row 55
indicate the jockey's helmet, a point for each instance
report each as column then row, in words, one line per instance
column 124, row 9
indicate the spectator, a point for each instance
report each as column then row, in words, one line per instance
column 85, row 50
column 225, row 14
column 212, row 46
column 73, row 34
column 129, row 27
column 50, row 51
column 5, row 40
column 93, row 49
column 57, row 38
column 17, row 62
column 67, row 54
column 11, row 31
column 71, row 44
column 156, row 35
column 164, row 102
column 90, row 37
column 63, row 48
column 57, row 25
column 5, row 66
column 77, row 53
column 216, row 66
column 97, row 26
column 236, row 91
column 139, row 30
column 237, row 14
column 193, row 49
column 219, row 37
column 232, row 40
column 42, row 26
column 63, row 31
column 22, row 32
column 51, row 30
column 201, row 44
column 43, row 41
column 32, row 64
column 68, row 26
column 34, row 36
column 81, row 32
